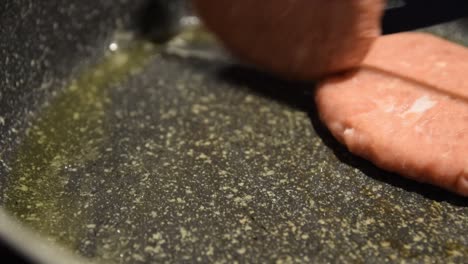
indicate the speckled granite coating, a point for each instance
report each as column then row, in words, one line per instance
column 42, row 43
column 180, row 157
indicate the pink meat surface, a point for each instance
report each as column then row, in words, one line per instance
column 406, row 109
column 300, row 39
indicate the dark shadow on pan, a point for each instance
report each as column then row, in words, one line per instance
column 300, row 96
column 295, row 94
column 159, row 20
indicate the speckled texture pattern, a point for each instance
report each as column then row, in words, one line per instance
column 199, row 160
column 44, row 42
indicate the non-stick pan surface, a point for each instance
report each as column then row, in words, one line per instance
column 173, row 153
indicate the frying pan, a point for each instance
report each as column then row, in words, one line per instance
column 114, row 149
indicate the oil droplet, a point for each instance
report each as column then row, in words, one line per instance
column 113, row 46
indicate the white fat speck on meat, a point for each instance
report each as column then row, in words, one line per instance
column 421, row 105
column 348, row 131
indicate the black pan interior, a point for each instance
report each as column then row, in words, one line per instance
column 174, row 153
